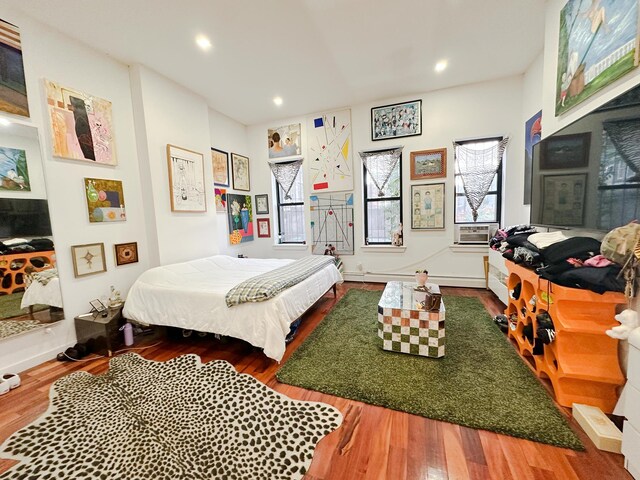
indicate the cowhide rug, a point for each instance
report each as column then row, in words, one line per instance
column 179, row 419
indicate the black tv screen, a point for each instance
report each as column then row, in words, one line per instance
column 24, row 218
column 587, row 175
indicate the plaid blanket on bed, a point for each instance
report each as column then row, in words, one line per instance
column 268, row 285
column 45, row 275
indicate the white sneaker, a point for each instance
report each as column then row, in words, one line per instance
column 12, row 379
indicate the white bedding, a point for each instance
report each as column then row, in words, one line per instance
column 38, row 294
column 191, row 295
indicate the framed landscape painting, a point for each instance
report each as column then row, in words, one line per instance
column 397, row 120
column 429, row 164
column 186, row 180
column 565, row 151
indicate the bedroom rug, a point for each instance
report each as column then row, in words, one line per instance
column 176, row 419
column 9, row 328
column 10, row 306
column 481, row 382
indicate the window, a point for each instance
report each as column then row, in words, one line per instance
column 382, row 213
column 291, row 225
column 490, row 208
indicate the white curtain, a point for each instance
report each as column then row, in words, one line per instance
column 380, row 165
column 285, row 174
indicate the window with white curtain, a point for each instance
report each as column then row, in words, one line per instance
column 290, row 212
column 382, row 209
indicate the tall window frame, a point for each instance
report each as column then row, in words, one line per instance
column 290, row 212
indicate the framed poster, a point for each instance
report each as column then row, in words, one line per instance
column 13, row 87
column 397, row 120
column 264, row 228
column 186, row 180
column 330, row 152
column 427, row 206
column 240, row 170
column 565, row 151
column 126, row 253
column 220, row 162
column 429, row 164
column 240, row 218
column 262, row 204
column 105, row 200
column 563, row 198
column 88, row 259
column 284, row 141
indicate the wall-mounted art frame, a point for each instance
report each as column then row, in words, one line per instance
column 221, row 199
column 264, row 228
column 565, row 151
column 397, row 120
column 88, row 259
column 126, row 253
column 285, row 141
column 14, row 173
column 13, row 87
column 427, row 206
column 240, row 171
column 563, row 198
column 186, row 180
column 427, row 164
column 220, row 163
column 105, row 200
column 240, row 218
column 262, row 204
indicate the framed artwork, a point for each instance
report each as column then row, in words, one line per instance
column 565, row 151
column 13, row 88
column 81, row 125
column 105, row 200
column 332, row 223
column 126, row 253
column 563, row 199
column 532, row 136
column 14, row 173
column 240, row 218
column 220, row 162
column 284, row 141
column 240, row 170
column 88, row 259
column 264, row 228
column 186, row 180
column 329, row 152
column 262, row 204
column 429, row 164
column 221, row 200
column 594, row 48
column 427, row 207
column 397, row 120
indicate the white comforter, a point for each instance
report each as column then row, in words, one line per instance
column 191, row 295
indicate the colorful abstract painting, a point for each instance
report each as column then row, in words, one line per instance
column 332, row 223
column 105, row 200
column 598, row 44
column 221, row 200
column 81, row 125
column 532, row 136
column 330, row 156
column 240, row 217
column 13, row 88
column 14, row 174
column 284, row 141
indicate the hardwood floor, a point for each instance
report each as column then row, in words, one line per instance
column 373, row 442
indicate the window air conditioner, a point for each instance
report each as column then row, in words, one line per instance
column 478, row 234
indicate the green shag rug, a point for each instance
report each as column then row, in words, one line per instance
column 10, row 306
column 481, row 382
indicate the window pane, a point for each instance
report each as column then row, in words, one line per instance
column 291, row 223
column 296, row 193
column 383, row 217
column 486, row 212
column 392, row 187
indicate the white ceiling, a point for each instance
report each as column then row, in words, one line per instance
column 316, row 54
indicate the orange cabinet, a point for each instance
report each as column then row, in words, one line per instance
column 12, row 268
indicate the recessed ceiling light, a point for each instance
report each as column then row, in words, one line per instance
column 441, row 65
column 203, row 42
column 4, row 122
column 277, row 100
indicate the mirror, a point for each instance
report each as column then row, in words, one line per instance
column 30, row 294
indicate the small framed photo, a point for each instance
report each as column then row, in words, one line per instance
column 565, row 151
column 427, row 164
column 397, row 120
column 126, row 253
column 427, row 206
column 220, row 162
column 240, row 171
column 88, row 259
column 262, row 204
column 264, row 228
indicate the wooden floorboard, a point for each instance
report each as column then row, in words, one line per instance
column 373, row 442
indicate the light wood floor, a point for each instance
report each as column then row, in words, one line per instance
column 373, row 442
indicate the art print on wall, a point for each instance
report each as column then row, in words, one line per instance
column 598, row 44
column 262, row 204
column 13, row 88
column 88, row 259
column 240, row 218
column 397, row 120
column 186, row 180
column 332, row 223
column 563, row 199
column 264, row 228
column 330, row 157
column 429, row 164
column 126, row 253
column 532, row 136
column 221, row 200
column 427, row 206
column 240, row 170
column 14, row 174
column 565, row 151
column 220, row 162
column 81, row 125
column 105, row 200
column 284, row 141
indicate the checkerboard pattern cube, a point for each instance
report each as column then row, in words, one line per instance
column 412, row 331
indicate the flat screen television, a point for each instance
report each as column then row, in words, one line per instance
column 587, row 175
column 24, row 217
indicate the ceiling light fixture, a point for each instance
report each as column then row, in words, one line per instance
column 4, row 122
column 203, row 42
column 441, row 65
column 277, row 100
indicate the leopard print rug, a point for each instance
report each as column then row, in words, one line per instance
column 13, row 327
column 179, row 419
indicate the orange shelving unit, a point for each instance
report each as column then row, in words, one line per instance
column 12, row 269
column 582, row 361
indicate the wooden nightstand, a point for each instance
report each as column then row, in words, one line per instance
column 104, row 331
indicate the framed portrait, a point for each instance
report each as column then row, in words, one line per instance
column 264, row 228
column 220, row 162
column 262, row 204
column 427, row 206
column 563, row 198
column 126, row 253
column 105, row 200
column 88, row 259
column 240, row 171
column 565, row 151
column 397, row 120
column 284, row 141
column 186, row 180
column 429, row 164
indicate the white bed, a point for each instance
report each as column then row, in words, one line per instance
column 191, row 295
column 38, row 294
